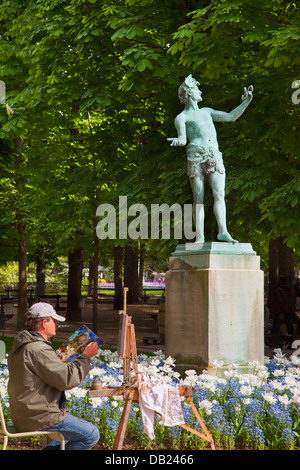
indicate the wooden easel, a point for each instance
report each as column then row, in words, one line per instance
column 129, row 389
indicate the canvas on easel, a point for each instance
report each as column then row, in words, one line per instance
column 123, row 323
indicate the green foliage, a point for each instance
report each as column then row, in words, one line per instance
column 235, row 44
column 93, row 86
column 9, row 274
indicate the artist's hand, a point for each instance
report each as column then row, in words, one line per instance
column 248, row 93
column 91, row 349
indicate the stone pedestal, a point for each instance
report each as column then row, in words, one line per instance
column 214, row 305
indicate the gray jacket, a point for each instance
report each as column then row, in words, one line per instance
column 37, row 381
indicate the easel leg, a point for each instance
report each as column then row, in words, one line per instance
column 207, row 435
column 123, row 423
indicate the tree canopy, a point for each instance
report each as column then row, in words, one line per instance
column 93, row 86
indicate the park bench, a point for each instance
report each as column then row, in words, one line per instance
column 7, row 310
column 146, row 296
column 56, row 297
column 152, row 338
column 8, row 303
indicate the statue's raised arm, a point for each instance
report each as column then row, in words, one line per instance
column 237, row 112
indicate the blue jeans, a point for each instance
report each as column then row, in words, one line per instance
column 79, row 434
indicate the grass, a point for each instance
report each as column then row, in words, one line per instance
column 9, row 342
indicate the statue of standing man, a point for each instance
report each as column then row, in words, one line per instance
column 204, row 160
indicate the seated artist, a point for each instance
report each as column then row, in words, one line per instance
column 38, row 379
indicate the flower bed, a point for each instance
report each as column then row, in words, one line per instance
column 258, row 410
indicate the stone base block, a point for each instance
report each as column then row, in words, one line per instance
column 214, row 306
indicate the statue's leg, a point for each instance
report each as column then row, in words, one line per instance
column 217, row 183
column 197, row 185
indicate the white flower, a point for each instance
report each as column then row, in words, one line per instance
column 154, row 362
column 170, row 361
column 205, row 405
column 3, row 391
column 189, row 381
column 278, row 373
column 143, row 357
column 284, row 399
column 96, row 402
column 152, row 370
column 96, row 371
column 218, row 364
column 294, row 371
column 77, row 392
column 109, row 380
column 269, row 397
column 176, row 375
column 246, row 390
column 296, row 399
column 263, row 374
column 277, row 385
column 290, row 382
column 230, row 373
column 115, row 365
column 166, row 369
column 190, row 372
column 159, row 353
column 207, row 385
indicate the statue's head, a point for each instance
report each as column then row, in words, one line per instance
column 186, row 88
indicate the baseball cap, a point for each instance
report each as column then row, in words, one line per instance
column 43, row 310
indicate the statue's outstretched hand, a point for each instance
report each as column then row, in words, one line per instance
column 248, row 93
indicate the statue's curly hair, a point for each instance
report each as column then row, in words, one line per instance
column 184, row 89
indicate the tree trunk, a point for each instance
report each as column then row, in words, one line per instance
column 22, row 248
column 74, row 286
column 141, row 270
column 91, row 279
column 281, row 263
column 95, row 289
column 22, row 295
column 286, row 261
column 131, row 273
column 40, row 288
column 118, row 263
column 273, row 275
column 75, row 261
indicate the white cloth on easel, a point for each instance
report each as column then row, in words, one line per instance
column 155, row 396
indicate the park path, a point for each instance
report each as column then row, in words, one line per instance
column 143, row 317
